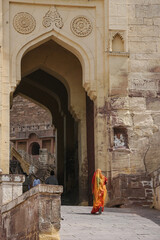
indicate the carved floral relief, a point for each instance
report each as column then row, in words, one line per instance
column 52, row 17
column 24, row 23
column 81, row 26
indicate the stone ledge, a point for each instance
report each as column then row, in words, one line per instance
column 41, row 188
column 119, row 54
column 13, row 178
column 120, row 150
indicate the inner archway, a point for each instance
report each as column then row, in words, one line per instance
column 52, row 76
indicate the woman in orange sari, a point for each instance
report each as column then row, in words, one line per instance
column 99, row 191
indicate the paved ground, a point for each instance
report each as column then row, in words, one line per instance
column 112, row 224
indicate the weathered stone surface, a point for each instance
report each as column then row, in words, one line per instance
column 121, row 118
column 137, row 104
column 131, row 190
column 118, row 103
column 34, row 215
column 153, row 104
column 153, row 153
column 142, row 120
column 156, row 118
column 121, row 161
column 10, row 187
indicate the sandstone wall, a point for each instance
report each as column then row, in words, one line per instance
column 134, row 102
column 27, row 117
column 26, row 111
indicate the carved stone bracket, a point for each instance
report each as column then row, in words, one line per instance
column 91, row 90
column 81, row 26
column 52, row 17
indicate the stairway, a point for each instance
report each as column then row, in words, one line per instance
column 22, row 163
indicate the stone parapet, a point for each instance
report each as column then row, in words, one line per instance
column 38, row 209
column 10, row 187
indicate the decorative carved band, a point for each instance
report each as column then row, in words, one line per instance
column 81, row 26
column 52, row 17
column 24, row 23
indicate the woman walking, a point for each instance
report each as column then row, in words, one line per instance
column 99, row 191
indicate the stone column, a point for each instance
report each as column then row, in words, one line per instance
column 10, row 187
column 4, row 88
column 101, row 155
column 83, row 163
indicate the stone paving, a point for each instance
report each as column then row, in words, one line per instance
column 112, row 224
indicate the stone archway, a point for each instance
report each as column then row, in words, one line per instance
column 87, row 46
column 52, row 76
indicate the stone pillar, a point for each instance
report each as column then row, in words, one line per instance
column 101, row 154
column 83, row 162
column 4, row 88
column 10, row 187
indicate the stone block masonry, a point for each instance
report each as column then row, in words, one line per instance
column 131, row 190
column 34, row 215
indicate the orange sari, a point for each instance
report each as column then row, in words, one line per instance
column 99, row 191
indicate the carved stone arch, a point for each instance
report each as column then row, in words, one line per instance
column 119, row 35
column 80, row 51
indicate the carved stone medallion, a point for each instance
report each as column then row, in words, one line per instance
column 52, row 16
column 81, row 26
column 24, row 23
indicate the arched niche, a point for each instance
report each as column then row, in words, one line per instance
column 117, row 43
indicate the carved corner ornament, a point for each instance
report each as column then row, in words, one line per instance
column 81, row 26
column 24, row 23
column 52, row 17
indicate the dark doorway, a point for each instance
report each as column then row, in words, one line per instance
column 35, row 148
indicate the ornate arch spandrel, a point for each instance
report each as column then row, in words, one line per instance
column 80, row 51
